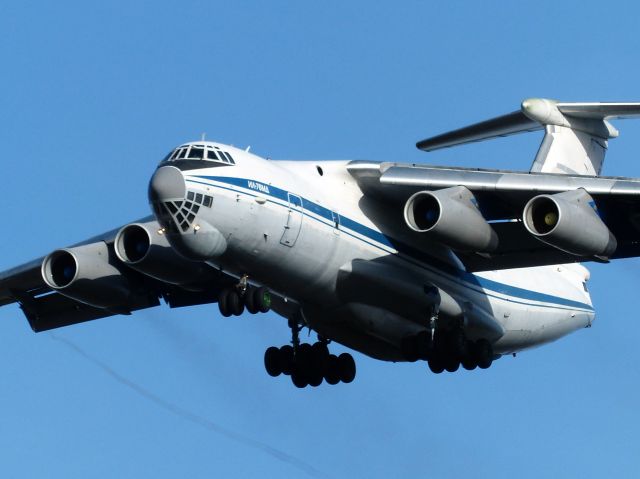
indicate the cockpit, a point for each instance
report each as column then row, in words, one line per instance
column 199, row 155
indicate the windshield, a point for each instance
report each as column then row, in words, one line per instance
column 206, row 152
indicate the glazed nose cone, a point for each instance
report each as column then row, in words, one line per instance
column 167, row 183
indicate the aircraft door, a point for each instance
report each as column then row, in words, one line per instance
column 294, row 221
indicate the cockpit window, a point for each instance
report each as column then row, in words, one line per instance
column 207, row 152
column 195, row 153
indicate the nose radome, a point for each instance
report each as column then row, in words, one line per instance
column 167, row 183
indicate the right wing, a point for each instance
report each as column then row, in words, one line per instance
column 45, row 308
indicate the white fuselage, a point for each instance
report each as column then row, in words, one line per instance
column 301, row 227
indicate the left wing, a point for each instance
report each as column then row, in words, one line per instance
column 501, row 197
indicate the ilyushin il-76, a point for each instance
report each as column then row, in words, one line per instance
column 401, row 262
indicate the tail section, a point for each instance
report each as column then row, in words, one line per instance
column 576, row 134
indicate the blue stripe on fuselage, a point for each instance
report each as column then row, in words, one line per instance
column 469, row 280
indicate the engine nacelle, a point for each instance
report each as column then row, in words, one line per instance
column 451, row 216
column 144, row 247
column 86, row 273
column 568, row 221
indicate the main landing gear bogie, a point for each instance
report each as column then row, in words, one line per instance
column 309, row 365
column 448, row 350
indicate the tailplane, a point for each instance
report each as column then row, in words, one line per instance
column 576, row 134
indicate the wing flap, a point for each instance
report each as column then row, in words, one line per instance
column 53, row 310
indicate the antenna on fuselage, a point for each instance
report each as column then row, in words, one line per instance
column 248, row 148
column 203, row 136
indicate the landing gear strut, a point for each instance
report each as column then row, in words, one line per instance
column 233, row 301
column 309, row 364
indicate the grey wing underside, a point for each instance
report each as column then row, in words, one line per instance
column 502, row 196
column 46, row 309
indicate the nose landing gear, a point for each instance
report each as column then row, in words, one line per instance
column 309, row 364
column 233, row 301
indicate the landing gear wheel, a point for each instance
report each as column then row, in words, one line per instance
column 332, row 372
column 286, row 359
column 234, row 303
column 249, row 300
column 223, row 303
column 347, row 367
column 299, row 378
column 457, row 343
column 484, row 353
column 436, row 365
column 451, row 363
column 272, row 361
column 468, row 360
column 318, row 363
column 262, row 299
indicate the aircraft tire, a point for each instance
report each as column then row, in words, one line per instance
column 223, row 303
column 347, row 367
column 235, row 304
column 484, row 353
column 319, row 356
column 457, row 343
column 249, row 300
column 272, row 361
column 299, row 379
column 332, row 372
column 286, row 359
column 468, row 360
column 452, row 363
column 435, row 365
column 262, row 299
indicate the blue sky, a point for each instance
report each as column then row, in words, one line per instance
column 93, row 94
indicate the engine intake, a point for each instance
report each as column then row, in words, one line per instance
column 451, row 216
column 144, row 247
column 569, row 222
column 84, row 273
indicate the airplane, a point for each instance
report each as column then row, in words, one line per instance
column 401, row 262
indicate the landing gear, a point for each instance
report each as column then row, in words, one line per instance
column 448, row 350
column 233, row 301
column 309, row 364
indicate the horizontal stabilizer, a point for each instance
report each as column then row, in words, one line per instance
column 510, row 124
column 575, row 140
column 600, row 111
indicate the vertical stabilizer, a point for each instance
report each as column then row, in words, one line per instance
column 572, row 145
column 570, row 152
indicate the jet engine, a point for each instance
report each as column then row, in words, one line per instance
column 144, row 247
column 569, row 222
column 86, row 273
column 451, row 216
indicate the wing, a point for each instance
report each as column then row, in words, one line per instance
column 501, row 198
column 48, row 308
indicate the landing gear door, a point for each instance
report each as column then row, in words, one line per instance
column 294, row 221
